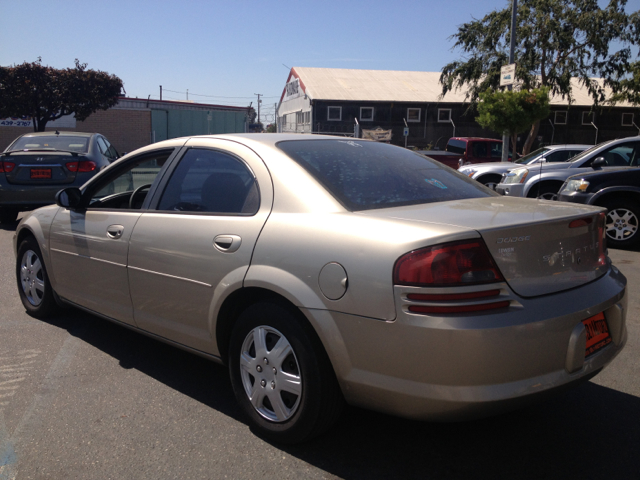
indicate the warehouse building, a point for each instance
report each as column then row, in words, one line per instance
column 339, row 101
column 134, row 122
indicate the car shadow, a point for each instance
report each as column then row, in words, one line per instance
column 587, row 432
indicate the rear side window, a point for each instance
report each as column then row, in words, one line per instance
column 366, row 175
column 456, row 146
column 211, row 181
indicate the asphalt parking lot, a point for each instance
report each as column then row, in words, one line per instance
column 83, row 398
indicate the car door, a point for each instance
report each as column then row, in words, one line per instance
column 89, row 247
column 196, row 241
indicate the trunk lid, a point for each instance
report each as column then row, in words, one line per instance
column 40, row 168
column 534, row 243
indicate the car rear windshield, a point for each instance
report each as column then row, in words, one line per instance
column 53, row 142
column 364, row 175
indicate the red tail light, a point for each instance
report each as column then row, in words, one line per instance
column 602, row 239
column 6, row 167
column 450, row 264
column 82, row 166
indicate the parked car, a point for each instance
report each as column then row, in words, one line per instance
column 467, row 150
column 36, row 165
column 323, row 270
column 617, row 190
column 490, row 174
column 544, row 180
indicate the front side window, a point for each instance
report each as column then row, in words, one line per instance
column 115, row 191
column 334, row 113
column 365, row 175
column 622, row 155
column 211, row 181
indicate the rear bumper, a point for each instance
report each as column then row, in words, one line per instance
column 33, row 196
column 456, row 368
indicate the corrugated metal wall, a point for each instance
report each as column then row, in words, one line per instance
column 167, row 124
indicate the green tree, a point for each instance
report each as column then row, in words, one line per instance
column 272, row 128
column 512, row 111
column 46, row 93
column 556, row 40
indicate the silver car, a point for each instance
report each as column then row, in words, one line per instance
column 490, row 174
column 544, row 180
column 323, row 270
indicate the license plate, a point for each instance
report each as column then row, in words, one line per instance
column 40, row 173
column 597, row 333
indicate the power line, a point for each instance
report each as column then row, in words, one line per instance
column 213, row 96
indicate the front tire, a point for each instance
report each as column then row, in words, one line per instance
column 281, row 375
column 33, row 282
column 622, row 223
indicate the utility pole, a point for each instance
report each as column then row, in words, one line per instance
column 259, row 102
column 512, row 52
column 160, row 92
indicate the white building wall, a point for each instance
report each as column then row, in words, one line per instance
column 294, row 116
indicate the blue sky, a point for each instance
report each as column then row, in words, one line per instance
column 224, row 52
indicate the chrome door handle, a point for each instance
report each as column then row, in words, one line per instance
column 115, row 231
column 227, row 243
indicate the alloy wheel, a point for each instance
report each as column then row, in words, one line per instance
column 271, row 374
column 622, row 224
column 32, row 278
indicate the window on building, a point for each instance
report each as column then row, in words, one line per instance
column 560, row 118
column 587, row 118
column 444, row 115
column 413, row 114
column 299, row 118
column 307, row 117
column 627, row 119
column 366, row 114
column 334, row 113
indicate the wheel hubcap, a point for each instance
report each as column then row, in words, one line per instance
column 32, row 278
column 549, row 196
column 622, row 224
column 270, row 374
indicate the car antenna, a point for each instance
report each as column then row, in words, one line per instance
column 539, row 177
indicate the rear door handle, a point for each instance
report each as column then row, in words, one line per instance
column 115, row 231
column 227, row 243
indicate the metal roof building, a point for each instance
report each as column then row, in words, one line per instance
column 331, row 100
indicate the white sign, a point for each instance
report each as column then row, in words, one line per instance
column 67, row 121
column 406, row 131
column 507, row 75
column 292, row 90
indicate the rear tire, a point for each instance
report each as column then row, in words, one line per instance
column 623, row 217
column 281, row 375
column 33, row 282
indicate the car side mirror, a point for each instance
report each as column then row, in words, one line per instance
column 69, row 197
column 598, row 163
